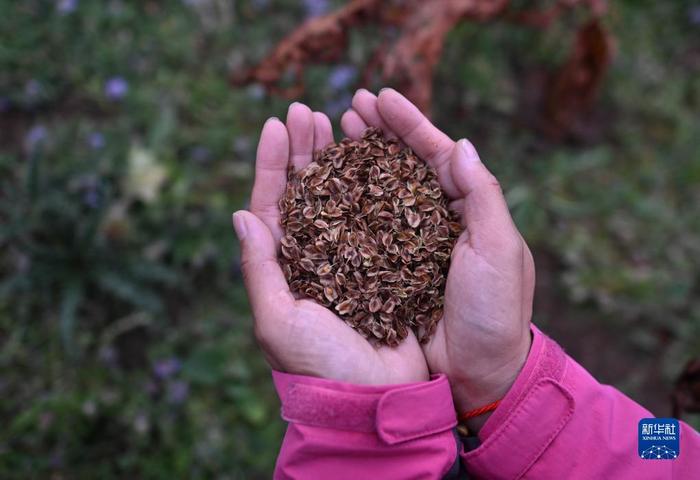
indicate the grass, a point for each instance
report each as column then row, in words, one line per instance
column 126, row 345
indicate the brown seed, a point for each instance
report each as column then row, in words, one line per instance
column 378, row 330
column 389, row 306
column 307, row 264
column 375, row 191
column 346, row 307
column 375, row 305
column 412, row 218
column 324, row 269
column 330, row 293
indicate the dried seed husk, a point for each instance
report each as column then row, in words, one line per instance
column 368, row 233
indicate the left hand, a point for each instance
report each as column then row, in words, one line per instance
column 299, row 335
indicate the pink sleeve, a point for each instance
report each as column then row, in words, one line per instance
column 342, row 431
column 558, row 422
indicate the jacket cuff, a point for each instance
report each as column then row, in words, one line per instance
column 395, row 413
column 508, row 438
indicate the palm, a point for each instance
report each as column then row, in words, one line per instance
column 478, row 309
column 319, row 337
column 307, row 338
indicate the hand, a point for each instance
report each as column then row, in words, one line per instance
column 298, row 335
column 483, row 340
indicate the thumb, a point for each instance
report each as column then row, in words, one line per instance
column 486, row 214
column 267, row 288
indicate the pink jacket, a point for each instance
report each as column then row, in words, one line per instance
column 555, row 422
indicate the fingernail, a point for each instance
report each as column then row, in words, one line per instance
column 270, row 120
column 239, row 226
column 362, row 90
column 385, row 89
column 469, row 150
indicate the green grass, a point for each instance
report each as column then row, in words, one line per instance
column 117, row 256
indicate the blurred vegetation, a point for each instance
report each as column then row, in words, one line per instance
column 125, row 340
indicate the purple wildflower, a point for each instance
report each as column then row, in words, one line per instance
column 694, row 15
column 336, row 107
column 200, row 154
column 65, row 7
column 108, row 356
column 56, row 460
column 96, row 141
column 314, row 8
column 341, row 76
column 166, row 367
column 35, row 137
column 256, row 91
column 116, row 88
column 178, row 392
column 92, row 198
column 32, row 89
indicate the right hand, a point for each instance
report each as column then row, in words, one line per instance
column 301, row 336
column 483, row 339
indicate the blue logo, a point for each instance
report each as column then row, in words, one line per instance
column 659, row 439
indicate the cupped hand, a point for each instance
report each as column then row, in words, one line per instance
column 299, row 335
column 484, row 337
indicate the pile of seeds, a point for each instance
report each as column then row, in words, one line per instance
column 368, row 234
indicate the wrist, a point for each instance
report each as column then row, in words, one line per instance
column 470, row 394
column 475, row 392
column 468, row 400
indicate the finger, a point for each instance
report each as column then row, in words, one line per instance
column 364, row 103
column 300, row 125
column 486, row 213
column 416, row 131
column 264, row 280
column 352, row 124
column 270, row 175
column 323, row 131
column 404, row 359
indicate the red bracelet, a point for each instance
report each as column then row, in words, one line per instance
column 479, row 411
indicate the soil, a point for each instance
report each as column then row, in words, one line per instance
column 601, row 348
